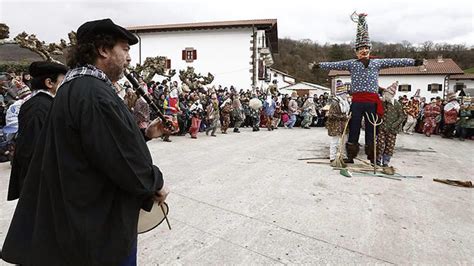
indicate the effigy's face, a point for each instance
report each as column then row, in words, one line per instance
column 363, row 52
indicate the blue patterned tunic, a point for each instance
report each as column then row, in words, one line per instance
column 366, row 79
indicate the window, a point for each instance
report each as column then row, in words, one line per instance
column 189, row 54
column 459, row 86
column 434, row 87
column 404, row 87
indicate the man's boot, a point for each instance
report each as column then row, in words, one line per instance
column 352, row 150
column 369, row 150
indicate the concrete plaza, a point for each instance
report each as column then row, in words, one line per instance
column 247, row 199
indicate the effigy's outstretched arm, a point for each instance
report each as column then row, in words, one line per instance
column 398, row 62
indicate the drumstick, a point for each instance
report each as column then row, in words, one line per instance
column 166, row 217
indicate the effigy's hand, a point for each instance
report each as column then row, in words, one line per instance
column 313, row 65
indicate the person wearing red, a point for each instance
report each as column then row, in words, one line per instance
column 450, row 115
column 364, row 86
column 431, row 111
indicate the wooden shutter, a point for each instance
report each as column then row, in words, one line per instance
column 261, row 70
column 183, row 55
column 168, row 64
column 429, row 87
column 409, row 87
column 194, row 54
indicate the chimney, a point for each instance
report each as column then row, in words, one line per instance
column 422, row 68
column 440, row 58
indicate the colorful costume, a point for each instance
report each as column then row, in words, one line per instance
column 451, row 110
column 432, row 111
column 364, row 88
column 392, row 122
column 336, row 120
column 226, row 110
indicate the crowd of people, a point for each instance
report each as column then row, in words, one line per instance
column 209, row 109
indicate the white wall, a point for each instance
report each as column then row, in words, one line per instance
column 416, row 81
column 282, row 80
column 468, row 83
column 225, row 53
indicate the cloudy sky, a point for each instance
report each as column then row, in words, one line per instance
column 322, row 21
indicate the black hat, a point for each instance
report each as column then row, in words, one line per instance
column 88, row 30
column 44, row 68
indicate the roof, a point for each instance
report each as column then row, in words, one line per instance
column 316, row 86
column 12, row 52
column 462, row 76
column 269, row 25
column 281, row 72
column 433, row 67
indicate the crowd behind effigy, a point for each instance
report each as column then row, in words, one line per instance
column 216, row 108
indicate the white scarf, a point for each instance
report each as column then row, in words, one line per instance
column 451, row 105
column 343, row 104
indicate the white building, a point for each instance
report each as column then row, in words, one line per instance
column 235, row 52
column 433, row 78
column 464, row 84
column 280, row 78
column 306, row 88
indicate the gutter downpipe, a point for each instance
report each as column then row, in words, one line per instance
column 254, row 57
column 139, row 48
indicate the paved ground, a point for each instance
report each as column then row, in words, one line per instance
column 246, row 199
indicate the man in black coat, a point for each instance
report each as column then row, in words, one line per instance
column 91, row 170
column 47, row 76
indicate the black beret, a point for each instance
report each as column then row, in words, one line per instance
column 88, row 30
column 44, row 68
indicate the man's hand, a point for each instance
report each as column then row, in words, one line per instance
column 156, row 129
column 160, row 195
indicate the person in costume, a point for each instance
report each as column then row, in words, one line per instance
column 226, row 111
column 277, row 115
column 466, row 119
column 364, row 85
column 91, row 171
column 10, row 129
column 171, row 109
column 292, row 111
column 337, row 117
column 309, row 111
column 46, row 79
column 412, row 111
column 255, row 105
column 391, row 124
column 196, row 111
column 212, row 115
column 269, row 107
column 451, row 111
column 237, row 112
column 431, row 112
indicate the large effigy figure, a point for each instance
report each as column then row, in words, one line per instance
column 364, row 86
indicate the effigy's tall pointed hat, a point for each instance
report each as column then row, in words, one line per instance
column 362, row 35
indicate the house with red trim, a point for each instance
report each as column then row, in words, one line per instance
column 237, row 53
column 434, row 78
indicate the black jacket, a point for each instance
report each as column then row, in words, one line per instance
column 30, row 121
column 90, row 174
